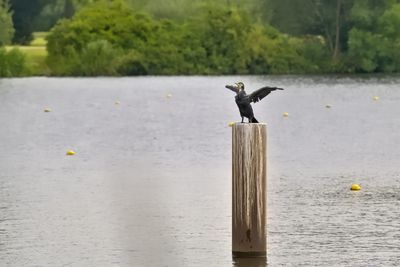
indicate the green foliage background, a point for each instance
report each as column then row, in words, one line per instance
column 182, row 37
column 218, row 39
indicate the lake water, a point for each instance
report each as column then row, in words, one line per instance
column 150, row 184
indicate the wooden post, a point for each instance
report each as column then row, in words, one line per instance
column 249, row 195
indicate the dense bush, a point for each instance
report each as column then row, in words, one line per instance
column 376, row 48
column 272, row 52
column 97, row 58
column 12, row 63
column 109, row 38
column 110, row 21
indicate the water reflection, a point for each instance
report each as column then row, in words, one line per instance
column 249, row 262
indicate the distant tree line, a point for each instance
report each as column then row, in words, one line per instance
column 360, row 35
column 138, row 37
column 109, row 38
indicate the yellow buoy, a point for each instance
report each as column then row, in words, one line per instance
column 231, row 123
column 70, row 152
column 47, row 109
column 117, row 102
column 169, row 95
column 376, row 98
column 328, row 106
column 355, row 187
column 285, row 114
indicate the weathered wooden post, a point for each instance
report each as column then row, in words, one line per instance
column 249, row 196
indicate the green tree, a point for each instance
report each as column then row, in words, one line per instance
column 364, row 49
column 24, row 13
column 111, row 21
column 96, row 59
column 69, row 9
column 222, row 33
column 163, row 52
column 375, row 37
column 6, row 29
column 330, row 19
column 55, row 10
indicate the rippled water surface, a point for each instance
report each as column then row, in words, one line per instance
column 150, row 184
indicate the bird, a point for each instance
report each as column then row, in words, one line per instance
column 244, row 100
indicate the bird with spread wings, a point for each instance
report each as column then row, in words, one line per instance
column 244, row 100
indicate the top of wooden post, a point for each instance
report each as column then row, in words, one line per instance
column 249, row 125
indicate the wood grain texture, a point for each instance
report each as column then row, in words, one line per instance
column 249, row 181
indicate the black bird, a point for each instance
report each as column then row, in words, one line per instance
column 244, row 100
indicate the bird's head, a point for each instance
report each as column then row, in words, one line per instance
column 240, row 85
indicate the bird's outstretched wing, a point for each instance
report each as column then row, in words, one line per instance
column 261, row 93
column 233, row 88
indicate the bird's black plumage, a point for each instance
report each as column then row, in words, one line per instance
column 244, row 100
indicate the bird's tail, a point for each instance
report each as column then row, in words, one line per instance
column 254, row 120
